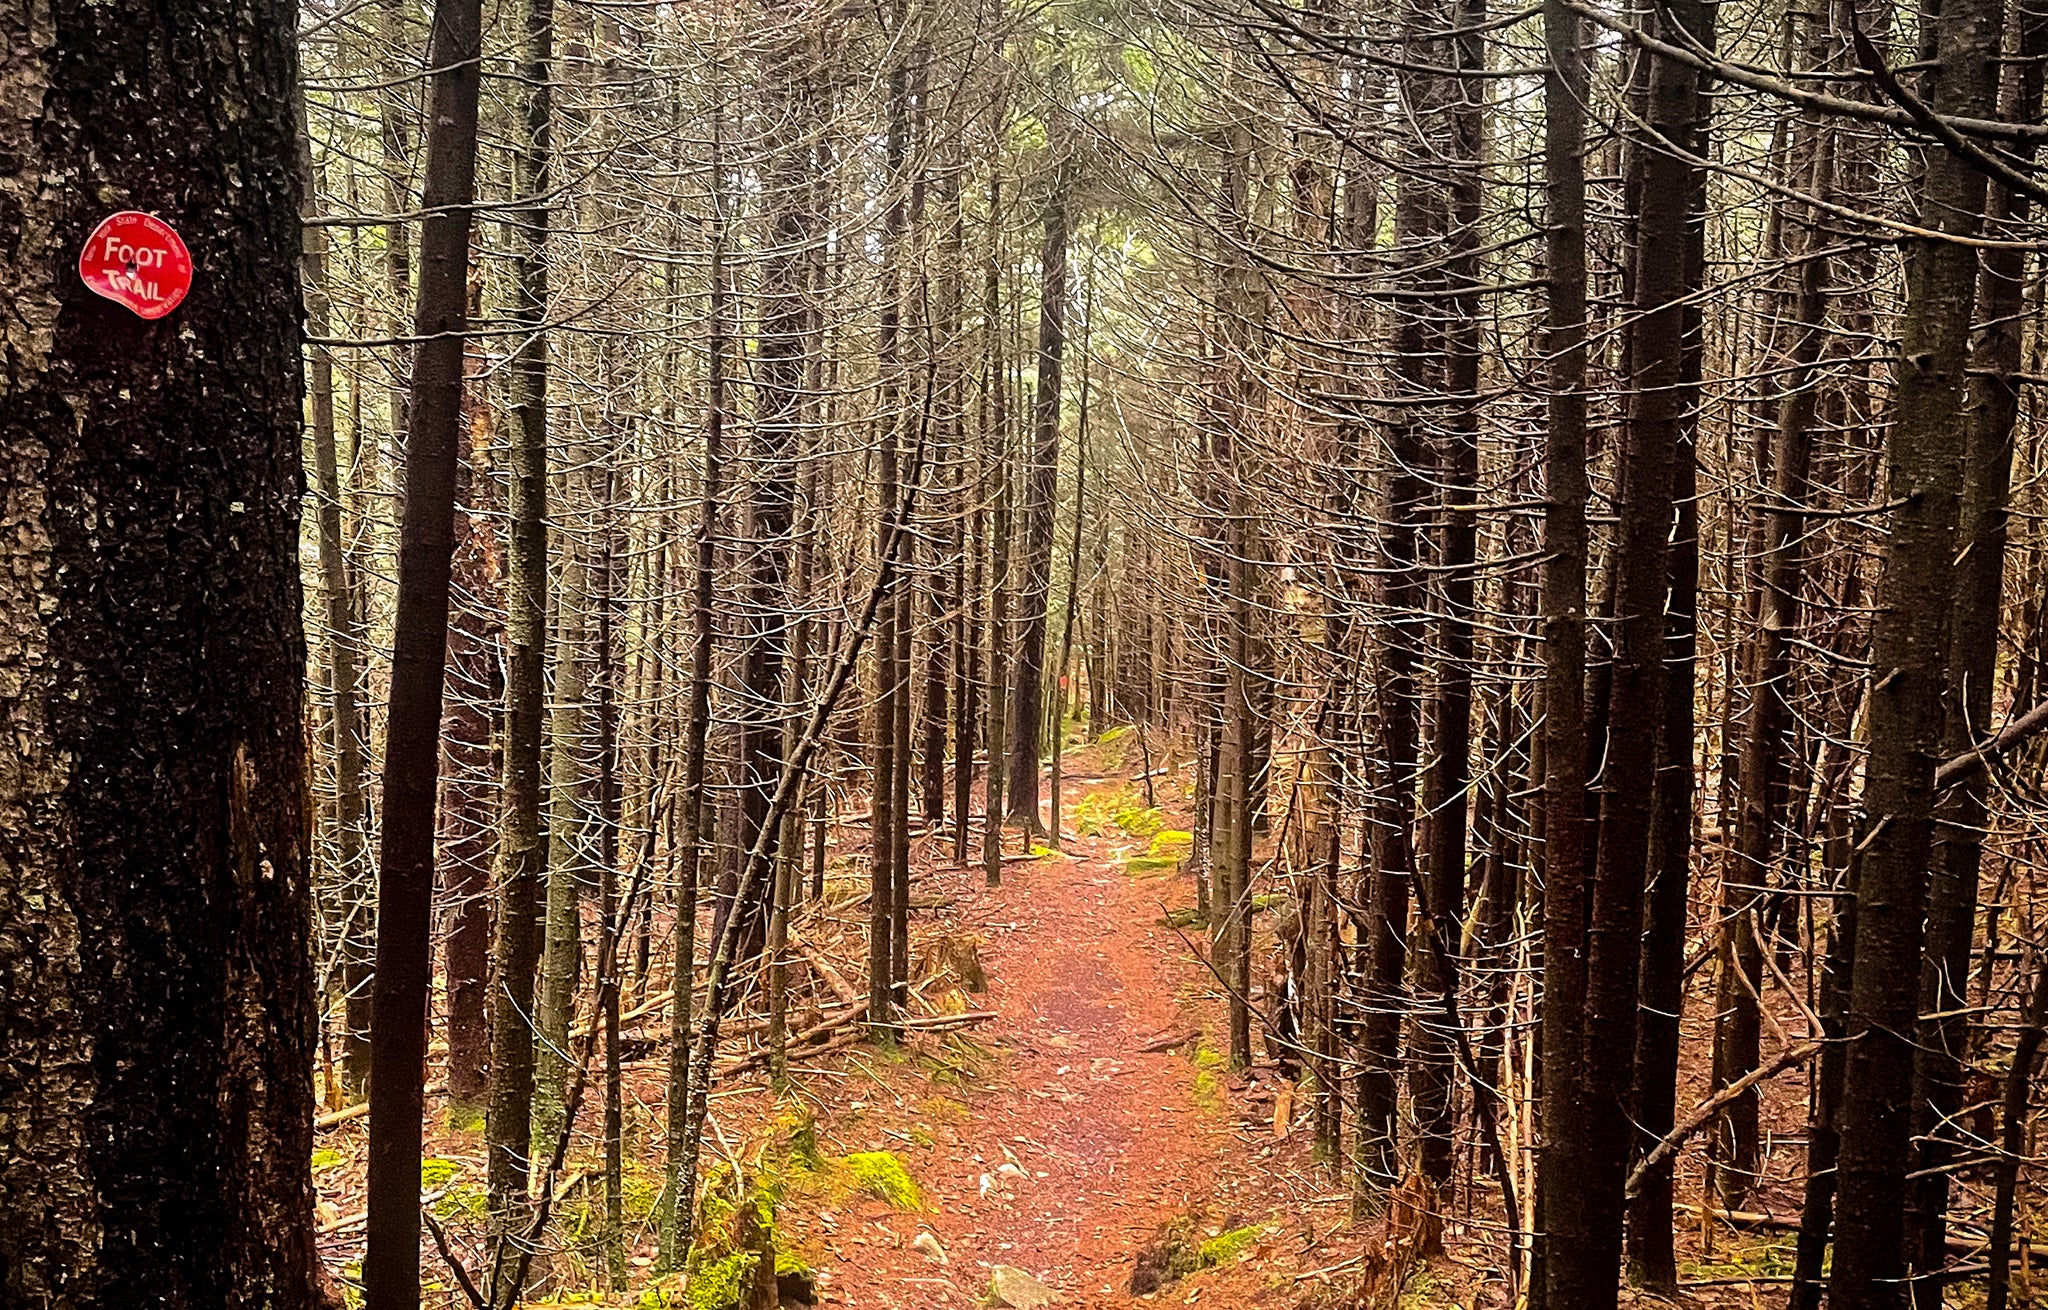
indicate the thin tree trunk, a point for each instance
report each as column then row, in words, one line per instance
column 1654, row 1083
column 995, row 445
column 2012, row 1140
column 679, row 1189
column 351, row 875
column 412, row 752
column 1041, row 483
column 1433, row 1062
column 522, row 852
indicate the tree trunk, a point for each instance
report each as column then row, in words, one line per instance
column 1655, row 416
column 412, row 753
column 522, row 853
column 351, row 876
column 1654, row 1081
column 679, row 1192
column 1941, row 1046
column 1565, row 893
column 1925, row 460
column 468, row 821
column 997, row 483
column 158, row 1024
column 1041, row 484
column 1451, row 771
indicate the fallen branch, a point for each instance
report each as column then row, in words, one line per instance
column 1703, row 1113
column 2023, row 729
column 361, row 1109
column 817, row 960
column 1770, row 1223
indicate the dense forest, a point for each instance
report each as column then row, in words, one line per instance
column 944, row 652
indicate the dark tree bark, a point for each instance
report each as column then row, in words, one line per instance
column 778, row 375
column 679, row 1192
column 1654, row 1086
column 1450, row 774
column 2012, row 1139
column 157, row 1022
column 997, row 483
column 1393, row 863
column 522, row 851
column 468, row 820
column 1565, row 893
column 1582, row 1269
column 1823, row 1132
column 1941, row 1046
column 391, row 1267
column 344, row 648
column 1041, row 483
column 1925, row 467
column 892, row 752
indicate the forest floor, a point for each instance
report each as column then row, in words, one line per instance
column 1080, row 1110
column 1052, row 1139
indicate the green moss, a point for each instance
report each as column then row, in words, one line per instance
column 467, row 1200
column 1186, row 918
column 1208, row 1092
column 639, row 1193
column 435, row 1172
column 664, row 1295
column 1115, row 735
column 1179, row 1249
column 325, row 1158
column 1770, row 1257
column 789, row 1262
column 802, row 1130
column 1228, row 1246
column 464, row 1118
column 880, row 1174
column 1208, row 1057
column 1096, row 814
column 1171, row 841
column 720, row 1283
column 1151, row 866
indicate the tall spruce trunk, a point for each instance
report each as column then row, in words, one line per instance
column 1450, row 774
column 522, row 851
column 1765, row 757
column 1942, row 1043
column 570, row 765
column 997, row 483
column 678, row 1207
column 1926, row 464
column 158, row 1026
column 1582, row 1269
column 1041, row 482
column 468, row 820
column 1565, row 892
column 344, row 643
column 412, row 754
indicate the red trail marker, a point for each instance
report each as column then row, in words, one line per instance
column 135, row 259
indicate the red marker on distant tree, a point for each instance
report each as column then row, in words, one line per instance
column 135, row 259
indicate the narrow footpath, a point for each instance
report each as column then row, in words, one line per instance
column 1102, row 1115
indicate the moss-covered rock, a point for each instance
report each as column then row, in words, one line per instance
column 881, row 1175
column 1226, row 1247
column 1179, row 1250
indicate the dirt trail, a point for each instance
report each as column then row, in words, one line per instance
column 1081, row 1144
